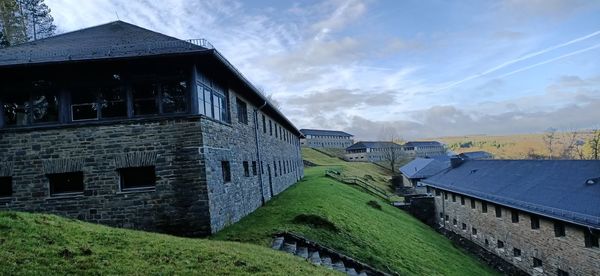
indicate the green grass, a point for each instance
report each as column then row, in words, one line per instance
column 387, row 238
column 38, row 244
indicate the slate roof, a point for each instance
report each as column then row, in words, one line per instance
column 322, row 132
column 476, row 155
column 421, row 168
column 552, row 188
column 422, row 143
column 116, row 39
column 372, row 145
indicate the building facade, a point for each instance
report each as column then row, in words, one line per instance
column 424, row 148
column 540, row 215
column 319, row 138
column 372, row 151
column 123, row 126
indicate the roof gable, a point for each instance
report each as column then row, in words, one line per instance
column 553, row 188
column 111, row 40
column 424, row 167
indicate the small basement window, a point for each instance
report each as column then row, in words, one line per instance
column 516, row 252
column 464, row 226
column 537, row 262
column 474, row 231
column 559, row 229
column 454, row 222
column 500, row 244
column 6, row 186
column 226, row 170
column 66, row 183
column 535, row 222
column 560, row 272
column 246, row 169
column 134, row 178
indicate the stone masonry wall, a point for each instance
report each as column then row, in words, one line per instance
column 178, row 204
column 566, row 253
column 236, row 142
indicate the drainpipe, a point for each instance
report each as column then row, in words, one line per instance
column 258, row 159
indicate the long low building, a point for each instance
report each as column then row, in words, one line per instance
column 543, row 216
column 321, row 138
column 120, row 125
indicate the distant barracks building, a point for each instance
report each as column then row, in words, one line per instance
column 543, row 216
column 123, row 126
column 318, row 138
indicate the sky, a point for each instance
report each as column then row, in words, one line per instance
column 410, row 69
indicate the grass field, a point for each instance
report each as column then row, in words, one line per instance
column 516, row 146
column 387, row 238
column 37, row 244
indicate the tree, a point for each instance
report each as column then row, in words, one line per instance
column 393, row 155
column 3, row 42
column 594, row 144
column 12, row 22
column 39, row 22
column 550, row 140
column 570, row 145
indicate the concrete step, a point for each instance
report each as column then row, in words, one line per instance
column 351, row 272
column 277, row 243
column 339, row 266
column 326, row 262
column 302, row 252
column 315, row 258
column 289, row 247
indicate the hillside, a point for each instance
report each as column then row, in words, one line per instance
column 364, row 227
column 38, row 244
column 517, row 146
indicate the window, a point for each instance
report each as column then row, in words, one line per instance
column 246, row 169
column 474, row 231
column 559, row 229
column 212, row 103
column 498, row 211
column 560, row 272
column 453, row 198
column 447, row 218
column 445, row 195
column 144, row 99
column 591, row 238
column 537, row 262
column 464, row 226
column 473, row 203
column 254, row 170
column 275, row 167
column 84, row 106
column 438, row 193
column 462, row 200
column 226, row 171
column 535, row 222
column 270, row 127
column 66, row 183
column 516, row 252
column 264, row 121
column 173, row 97
column 484, row 207
column 6, row 186
column 113, row 102
column 514, row 216
column 22, row 109
column 135, row 178
column 500, row 244
column 242, row 111
column 441, row 215
column 276, row 131
column 280, row 168
column 487, row 243
column 454, row 222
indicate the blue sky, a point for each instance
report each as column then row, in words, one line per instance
column 412, row 69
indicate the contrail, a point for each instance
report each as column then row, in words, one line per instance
column 525, row 57
column 550, row 60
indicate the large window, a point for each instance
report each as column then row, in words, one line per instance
column 212, row 103
column 66, row 183
column 173, row 97
column 136, row 178
column 145, row 97
column 6, row 186
column 21, row 109
column 113, row 102
column 105, row 102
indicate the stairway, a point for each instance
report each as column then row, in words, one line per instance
column 322, row 256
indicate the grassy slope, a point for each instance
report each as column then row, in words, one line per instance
column 386, row 237
column 43, row 244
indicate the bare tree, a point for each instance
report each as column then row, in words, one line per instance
column 550, row 140
column 571, row 140
column 393, row 155
column 594, row 144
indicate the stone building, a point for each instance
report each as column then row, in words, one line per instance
column 420, row 168
column 424, row 148
column 123, row 126
column 372, row 151
column 543, row 216
column 319, row 138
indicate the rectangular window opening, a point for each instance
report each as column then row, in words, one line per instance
column 535, row 222
column 559, row 229
column 6, row 189
column 516, row 252
column 514, row 216
column 498, row 211
column 226, row 171
column 474, row 231
column 537, row 262
column 66, row 183
column 246, row 169
column 135, row 178
column 500, row 244
column 591, row 238
column 242, row 111
column 254, row 170
column 462, row 200
column 473, row 203
column 484, row 207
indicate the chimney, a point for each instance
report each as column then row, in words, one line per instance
column 456, row 161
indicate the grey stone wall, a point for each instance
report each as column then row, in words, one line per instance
column 236, row 142
column 178, row 203
column 567, row 253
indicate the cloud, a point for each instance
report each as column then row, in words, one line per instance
column 342, row 99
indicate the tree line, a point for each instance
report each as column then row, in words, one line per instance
column 569, row 145
column 24, row 20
